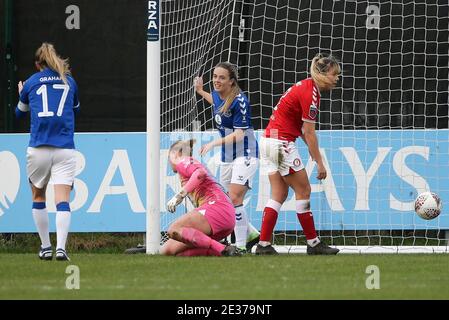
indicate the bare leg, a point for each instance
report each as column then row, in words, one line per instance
column 40, row 214
column 173, row 247
column 193, row 229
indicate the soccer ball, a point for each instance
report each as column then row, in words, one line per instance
column 428, row 205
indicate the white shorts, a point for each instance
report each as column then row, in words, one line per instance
column 45, row 163
column 279, row 155
column 240, row 171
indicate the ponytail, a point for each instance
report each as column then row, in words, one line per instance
column 47, row 56
column 235, row 91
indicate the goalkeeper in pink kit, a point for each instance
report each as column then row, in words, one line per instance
column 197, row 232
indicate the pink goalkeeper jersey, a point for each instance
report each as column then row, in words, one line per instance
column 208, row 190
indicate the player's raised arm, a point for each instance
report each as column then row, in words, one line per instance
column 20, row 87
column 23, row 105
column 236, row 137
column 198, row 84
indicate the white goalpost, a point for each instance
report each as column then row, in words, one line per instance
column 383, row 132
column 153, row 207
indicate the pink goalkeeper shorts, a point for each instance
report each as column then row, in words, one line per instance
column 221, row 217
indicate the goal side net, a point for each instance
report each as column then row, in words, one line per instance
column 383, row 131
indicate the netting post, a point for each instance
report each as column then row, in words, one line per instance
column 153, row 234
column 11, row 82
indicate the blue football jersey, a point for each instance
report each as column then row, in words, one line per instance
column 52, row 105
column 238, row 116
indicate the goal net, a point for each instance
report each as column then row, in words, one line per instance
column 383, row 131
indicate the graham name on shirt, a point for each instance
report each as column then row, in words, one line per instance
column 52, row 78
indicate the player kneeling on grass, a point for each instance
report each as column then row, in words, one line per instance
column 197, row 232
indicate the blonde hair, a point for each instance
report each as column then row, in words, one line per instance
column 320, row 66
column 235, row 89
column 183, row 147
column 46, row 56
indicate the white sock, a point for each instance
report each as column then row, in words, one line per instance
column 241, row 226
column 62, row 228
column 40, row 217
column 313, row 242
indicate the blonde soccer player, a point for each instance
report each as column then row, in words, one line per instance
column 51, row 97
column 239, row 148
column 295, row 116
column 198, row 232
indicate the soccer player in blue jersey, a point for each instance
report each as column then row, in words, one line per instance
column 239, row 149
column 51, row 97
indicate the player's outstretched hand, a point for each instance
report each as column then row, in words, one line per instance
column 198, row 84
column 174, row 202
column 20, row 86
column 206, row 148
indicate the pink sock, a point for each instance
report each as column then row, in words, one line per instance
column 198, row 252
column 200, row 240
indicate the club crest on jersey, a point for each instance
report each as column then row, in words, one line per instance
column 218, row 119
column 297, row 162
column 313, row 111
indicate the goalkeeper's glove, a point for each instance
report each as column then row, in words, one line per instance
column 175, row 201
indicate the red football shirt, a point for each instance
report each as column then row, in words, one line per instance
column 299, row 104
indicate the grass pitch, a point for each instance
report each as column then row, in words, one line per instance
column 119, row 276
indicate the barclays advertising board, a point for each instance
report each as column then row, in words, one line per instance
column 373, row 179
